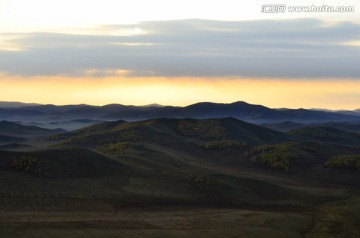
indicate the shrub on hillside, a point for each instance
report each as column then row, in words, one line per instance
column 200, row 181
column 281, row 156
column 30, row 164
column 119, row 148
column 207, row 129
column 344, row 161
column 222, row 145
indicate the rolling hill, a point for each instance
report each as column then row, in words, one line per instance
column 9, row 139
column 14, row 129
column 349, row 127
column 327, row 135
column 166, row 130
column 310, row 116
column 225, row 142
column 284, row 126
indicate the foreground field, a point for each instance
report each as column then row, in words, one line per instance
column 177, row 222
column 127, row 207
column 337, row 219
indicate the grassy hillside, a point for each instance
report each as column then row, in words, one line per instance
column 337, row 219
column 67, row 162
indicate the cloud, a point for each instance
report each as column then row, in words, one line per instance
column 302, row 48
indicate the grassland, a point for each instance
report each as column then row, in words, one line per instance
column 167, row 178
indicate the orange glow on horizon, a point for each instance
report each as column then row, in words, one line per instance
column 294, row 93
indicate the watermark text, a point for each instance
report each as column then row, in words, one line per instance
column 282, row 8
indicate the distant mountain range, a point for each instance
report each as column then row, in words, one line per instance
column 240, row 110
column 17, row 104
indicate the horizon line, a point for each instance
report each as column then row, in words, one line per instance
column 154, row 104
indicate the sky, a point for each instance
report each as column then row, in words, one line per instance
column 179, row 52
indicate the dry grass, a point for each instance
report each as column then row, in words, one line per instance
column 178, row 222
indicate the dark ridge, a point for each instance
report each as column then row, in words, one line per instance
column 202, row 110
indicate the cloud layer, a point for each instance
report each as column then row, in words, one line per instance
column 302, row 48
